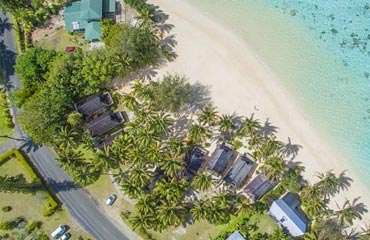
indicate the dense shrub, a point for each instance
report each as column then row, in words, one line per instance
column 9, row 225
column 51, row 206
column 6, row 208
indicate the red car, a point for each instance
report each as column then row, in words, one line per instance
column 70, row 49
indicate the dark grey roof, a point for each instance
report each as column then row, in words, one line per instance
column 100, row 143
column 94, row 104
column 220, row 158
column 239, row 171
column 104, row 123
column 195, row 160
column 291, row 199
column 258, row 187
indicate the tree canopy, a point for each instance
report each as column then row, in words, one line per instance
column 133, row 47
column 32, row 68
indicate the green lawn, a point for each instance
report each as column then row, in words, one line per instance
column 59, row 39
column 31, row 206
column 264, row 222
column 4, row 129
column 199, row 230
column 12, row 168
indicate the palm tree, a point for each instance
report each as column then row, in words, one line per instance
column 85, row 175
column 142, row 91
column 208, row 115
column 160, row 122
column 66, row 138
column 269, row 148
column 202, row 181
column 130, row 102
column 139, row 176
column 122, row 64
column 198, row 211
column 172, row 165
column 254, row 143
column 250, row 126
column 130, row 188
column 214, row 213
column 198, row 133
column 312, row 202
column 226, row 123
column 274, row 168
column 70, row 159
column 141, row 221
column 328, row 184
column 146, row 204
column 170, row 214
column 172, row 190
column 176, row 145
column 349, row 212
column 146, row 136
column 105, row 159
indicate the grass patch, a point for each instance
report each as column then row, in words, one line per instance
column 199, row 230
column 101, row 189
column 11, row 168
column 5, row 129
column 59, row 39
column 264, row 222
column 31, row 206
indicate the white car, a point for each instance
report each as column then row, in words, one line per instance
column 111, row 200
column 65, row 236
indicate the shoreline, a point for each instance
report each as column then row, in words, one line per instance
column 240, row 81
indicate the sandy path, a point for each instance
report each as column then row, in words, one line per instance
column 210, row 54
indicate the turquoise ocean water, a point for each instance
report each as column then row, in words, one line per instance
column 320, row 49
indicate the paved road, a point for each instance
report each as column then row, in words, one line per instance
column 79, row 204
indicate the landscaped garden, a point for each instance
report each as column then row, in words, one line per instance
column 27, row 207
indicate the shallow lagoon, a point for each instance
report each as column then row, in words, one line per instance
column 321, row 52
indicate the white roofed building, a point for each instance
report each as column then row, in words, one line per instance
column 286, row 213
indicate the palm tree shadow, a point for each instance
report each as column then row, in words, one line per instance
column 5, row 25
column 63, row 186
column 200, row 95
column 361, row 208
column 291, row 150
column 344, row 181
column 159, row 15
column 181, row 124
column 268, row 130
column 28, row 145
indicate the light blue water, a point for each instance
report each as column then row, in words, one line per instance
column 320, row 49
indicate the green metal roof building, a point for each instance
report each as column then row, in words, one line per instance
column 85, row 16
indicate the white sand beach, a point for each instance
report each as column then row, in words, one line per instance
column 241, row 82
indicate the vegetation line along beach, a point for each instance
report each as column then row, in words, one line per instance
column 240, row 81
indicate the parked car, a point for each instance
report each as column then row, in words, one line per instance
column 65, row 236
column 59, row 231
column 111, row 199
column 70, row 48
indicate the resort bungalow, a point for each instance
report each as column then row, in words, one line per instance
column 194, row 161
column 258, row 187
column 286, row 214
column 235, row 236
column 242, row 168
column 85, row 15
column 104, row 123
column 95, row 105
column 220, row 158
